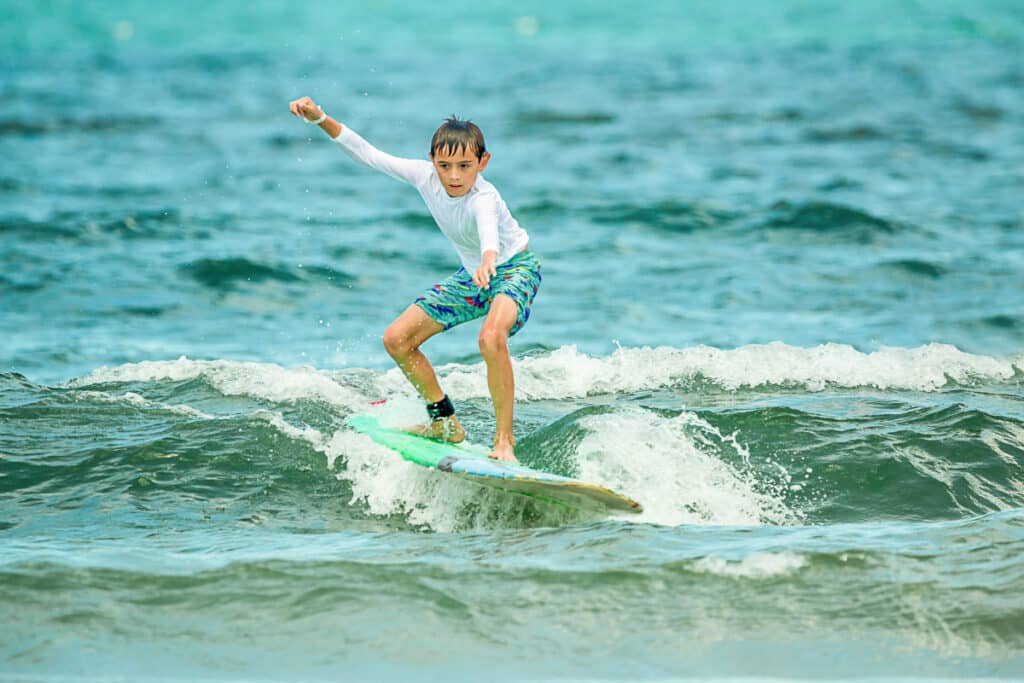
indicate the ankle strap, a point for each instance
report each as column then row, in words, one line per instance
column 441, row 409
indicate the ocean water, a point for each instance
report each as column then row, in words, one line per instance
column 783, row 307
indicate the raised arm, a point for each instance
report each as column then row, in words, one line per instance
column 407, row 170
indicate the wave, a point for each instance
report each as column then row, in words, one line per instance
column 854, row 133
column 567, row 373
column 836, row 583
column 668, row 215
column 226, row 273
column 773, row 435
column 547, row 117
column 874, row 458
column 828, row 220
column 918, row 268
column 1004, row 322
column 818, row 220
column 151, row 452
column 91, row 228
column 62, row 126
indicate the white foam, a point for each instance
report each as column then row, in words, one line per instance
column 388, row 485
column 380, row 478
column 753, row 566
column 134, row 400
column 569, row 373
column 234, row 378
column 308, row 434
column 676, row 467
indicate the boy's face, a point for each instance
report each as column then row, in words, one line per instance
column 458, row 169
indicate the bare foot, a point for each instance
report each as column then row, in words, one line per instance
column 446, row 429
column 504, row 451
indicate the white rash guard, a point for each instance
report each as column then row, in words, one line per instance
column 476, row 222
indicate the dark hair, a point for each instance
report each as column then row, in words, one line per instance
column 456, row 135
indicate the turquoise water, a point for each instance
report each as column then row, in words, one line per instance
column 782, row 307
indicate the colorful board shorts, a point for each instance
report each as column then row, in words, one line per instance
column 457, row 300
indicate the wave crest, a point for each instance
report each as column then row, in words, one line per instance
column 570, row 373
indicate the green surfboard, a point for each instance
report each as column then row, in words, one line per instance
column 471, row 462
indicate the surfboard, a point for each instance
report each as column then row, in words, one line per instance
column 471, row 462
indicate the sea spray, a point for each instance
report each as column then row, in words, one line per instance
column 682, row 468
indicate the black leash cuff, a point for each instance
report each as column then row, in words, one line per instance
column 441, row 409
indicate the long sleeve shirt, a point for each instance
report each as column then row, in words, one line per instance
column 476, row 222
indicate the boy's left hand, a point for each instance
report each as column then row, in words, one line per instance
column 482, row 276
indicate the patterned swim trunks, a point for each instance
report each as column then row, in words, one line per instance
column 457, row 300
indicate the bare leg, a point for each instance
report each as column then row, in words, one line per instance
column 500, row 380
column 402, row 341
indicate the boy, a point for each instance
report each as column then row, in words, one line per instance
column 498, row 279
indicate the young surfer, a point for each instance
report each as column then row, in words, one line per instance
column 498, row 279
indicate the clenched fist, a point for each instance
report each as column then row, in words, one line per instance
column 306, row 108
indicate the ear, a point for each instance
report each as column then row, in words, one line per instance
column 484, row 159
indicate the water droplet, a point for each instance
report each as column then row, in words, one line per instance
column 123, row 30
column 527, row 26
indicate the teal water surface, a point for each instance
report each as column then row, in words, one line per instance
column 783, row 247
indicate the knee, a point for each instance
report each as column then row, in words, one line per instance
column 493, row 342
column 396, row 343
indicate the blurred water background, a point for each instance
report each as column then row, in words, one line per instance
column 783, row 307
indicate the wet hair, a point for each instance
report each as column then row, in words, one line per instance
column 456, row 135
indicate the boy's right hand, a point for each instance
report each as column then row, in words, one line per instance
column 306, row 108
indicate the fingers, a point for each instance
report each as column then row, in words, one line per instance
column 301, row 106
column 482, row 276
